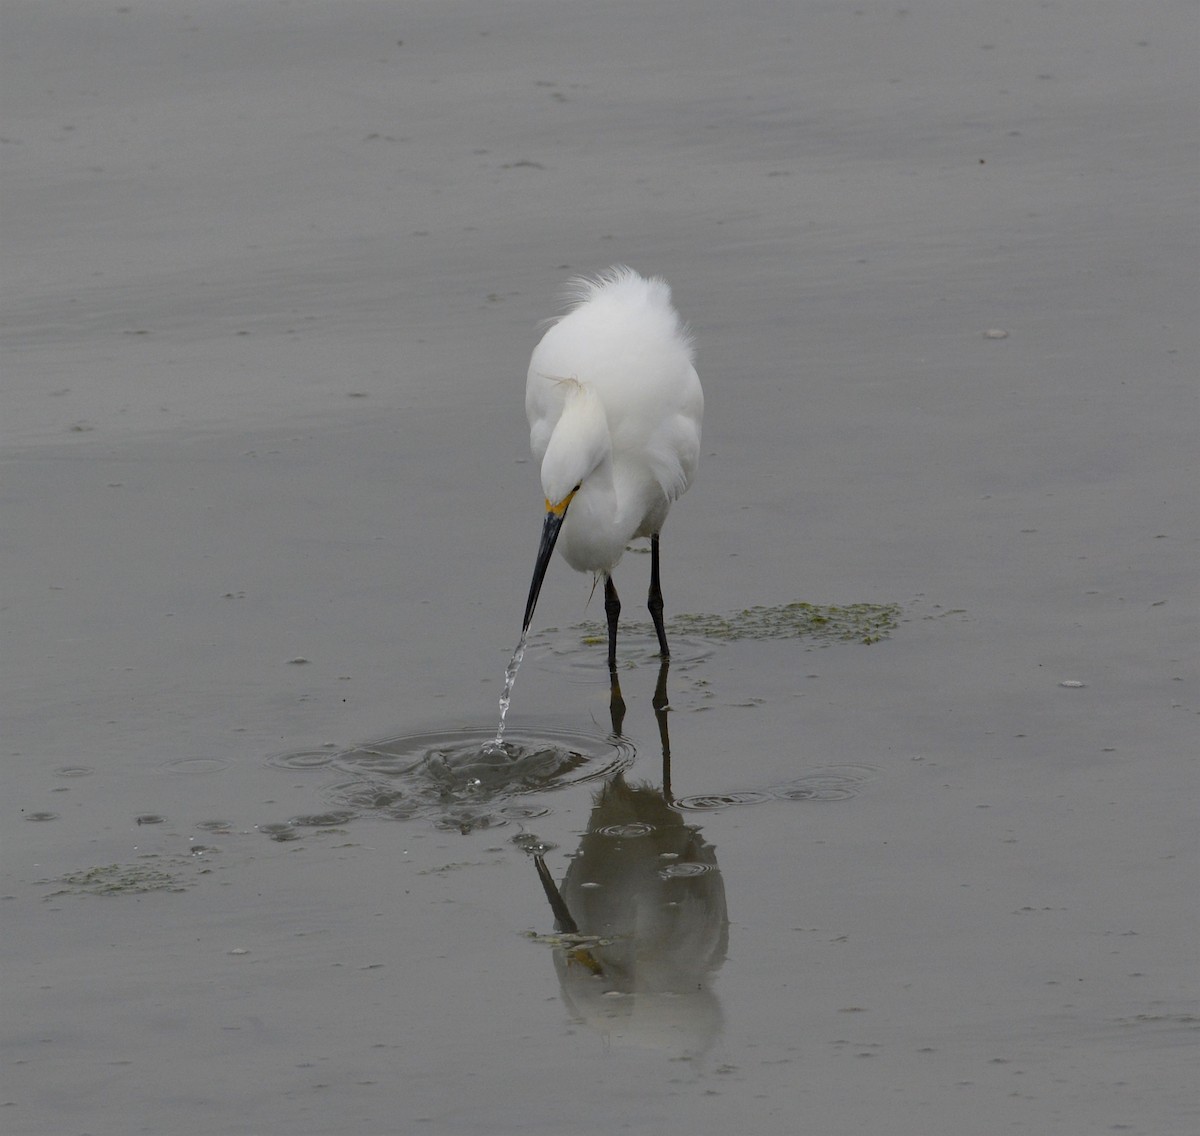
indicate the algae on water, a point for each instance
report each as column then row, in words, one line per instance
column 859, row 622
column 117, row 879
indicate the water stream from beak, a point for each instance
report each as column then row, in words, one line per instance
column 510, row 678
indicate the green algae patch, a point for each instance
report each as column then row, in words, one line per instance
column 827, row 623
column 116, row 879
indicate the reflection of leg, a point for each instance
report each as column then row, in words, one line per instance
column 612, row 609
column 662, row 707
column 562, row 916
column 655, row 601
column 616, row 704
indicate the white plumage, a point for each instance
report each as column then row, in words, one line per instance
column 615, row 408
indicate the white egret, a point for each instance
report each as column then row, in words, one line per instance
column 614, row 407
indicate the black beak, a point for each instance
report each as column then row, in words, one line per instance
column 554, row 521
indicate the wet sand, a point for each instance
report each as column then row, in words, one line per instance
column 272, row 278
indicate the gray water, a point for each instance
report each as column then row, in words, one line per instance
column 273, row 274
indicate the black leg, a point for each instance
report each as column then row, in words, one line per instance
column 612, row 609
column 662, row 705
column 655, row 602
column 616, row 704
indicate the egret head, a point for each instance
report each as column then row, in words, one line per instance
column 579, row 444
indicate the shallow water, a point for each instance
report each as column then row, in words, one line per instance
column 271, row 286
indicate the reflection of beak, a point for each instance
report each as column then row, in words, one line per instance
column 555, row 514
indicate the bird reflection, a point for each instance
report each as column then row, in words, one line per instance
column 642, row 911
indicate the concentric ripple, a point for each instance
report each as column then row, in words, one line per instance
column 629, row 831
column 831, row 783
column 460, row 779
column 305, row 759
column 706, row 802
column 686, row 870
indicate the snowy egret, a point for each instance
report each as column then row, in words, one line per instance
column 614, row 407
